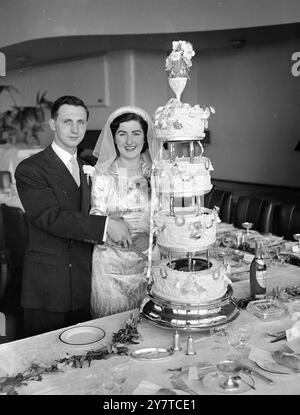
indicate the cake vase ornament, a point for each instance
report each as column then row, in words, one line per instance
column 177, row 85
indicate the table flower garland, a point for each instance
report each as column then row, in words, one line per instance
column 127, row 334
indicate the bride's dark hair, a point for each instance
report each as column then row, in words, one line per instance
column 130, row 116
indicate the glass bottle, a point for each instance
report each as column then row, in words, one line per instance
column 258, row 271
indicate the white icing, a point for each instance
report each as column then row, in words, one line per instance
column 190, row 287
column 177, row 120
column 182, row 178
column 187, row 231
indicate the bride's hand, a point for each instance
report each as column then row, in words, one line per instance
column 141, row 241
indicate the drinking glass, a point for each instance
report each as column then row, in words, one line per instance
column 283, row 255
column 244, row 333
column 108, row 383
column 120, row 373
column 296, row 236
column 247, row 226
column 233, row 342
column 229, row 370
column 219, row 338
column 238, row 255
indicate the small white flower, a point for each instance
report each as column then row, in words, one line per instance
column 89, row 171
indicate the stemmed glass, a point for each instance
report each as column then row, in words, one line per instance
column 230, row 369
column 120, row 373
column 239, row 255
column 296, row 236
column 283, row 255
column 244, row 333
column 247, row 226
column 108, row 383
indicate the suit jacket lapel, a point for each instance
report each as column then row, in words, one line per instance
column 86, row 184
column 61, row 174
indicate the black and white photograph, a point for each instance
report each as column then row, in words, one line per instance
column 149, row 202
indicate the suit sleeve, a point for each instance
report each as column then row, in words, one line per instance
column 44, row 208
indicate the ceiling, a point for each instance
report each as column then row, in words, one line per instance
column 45, row 51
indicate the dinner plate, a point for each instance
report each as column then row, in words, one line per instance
column 274, row 367
column 82, row 335
column 151, row 353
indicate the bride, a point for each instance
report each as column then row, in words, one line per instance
column 121, row 189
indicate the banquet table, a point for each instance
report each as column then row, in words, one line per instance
column 10, row 197
column 146, row 377
column 12, row 155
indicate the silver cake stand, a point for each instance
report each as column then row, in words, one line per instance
column 195, row 317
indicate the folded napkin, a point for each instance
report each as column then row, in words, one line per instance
column 146, row 388
column 265, row 360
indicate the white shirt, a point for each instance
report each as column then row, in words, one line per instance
column 65, row 157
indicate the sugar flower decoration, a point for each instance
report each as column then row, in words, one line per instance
column 180, row 59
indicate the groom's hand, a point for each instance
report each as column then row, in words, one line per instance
column 118, row 232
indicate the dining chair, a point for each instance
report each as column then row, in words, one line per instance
column 260, row 212
column 5, row 179
column 16, row 236
column 223, row 200
column 287, row 220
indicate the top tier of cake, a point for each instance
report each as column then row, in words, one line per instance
column 177, row 121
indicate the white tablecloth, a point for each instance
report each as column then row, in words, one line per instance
column 11, row 156
column 15, row 356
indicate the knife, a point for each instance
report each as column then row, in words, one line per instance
column 281, row 336
column 253, row 372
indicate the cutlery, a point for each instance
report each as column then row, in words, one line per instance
column 175, row 369
column 180, row 384
column 253, row 372
column 281, row 336
column 246, row 383
column 279, row 333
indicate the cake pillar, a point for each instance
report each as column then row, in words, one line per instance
column 198, row 202
column 192, row 151
column 172, row 151
column 172, row 208
column 189, row 261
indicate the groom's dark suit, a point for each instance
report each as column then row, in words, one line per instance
column 57, row 264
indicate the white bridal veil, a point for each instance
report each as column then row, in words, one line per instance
column 105, row 149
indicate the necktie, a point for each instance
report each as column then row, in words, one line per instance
column 74, row 169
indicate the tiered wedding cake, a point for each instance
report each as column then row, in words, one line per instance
column 185, row 289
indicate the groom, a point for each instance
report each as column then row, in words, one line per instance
column 55, row 194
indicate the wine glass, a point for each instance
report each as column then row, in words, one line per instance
column 283, row 255
column 247, row 226
column 233, row 342
column 296, row 236
column 238, row 255
column 108, row 382
column 244, row 333
column 120, row 373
